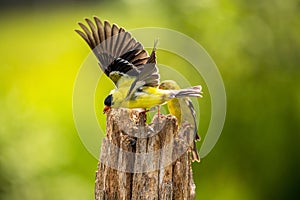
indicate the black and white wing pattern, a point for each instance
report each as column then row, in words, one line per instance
column 148, row 76
column 119, row 54
column 193, row 112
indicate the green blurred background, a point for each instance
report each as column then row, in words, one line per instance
column 256, row 46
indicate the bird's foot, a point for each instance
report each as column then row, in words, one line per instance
column 158, row 112
column 143, row 113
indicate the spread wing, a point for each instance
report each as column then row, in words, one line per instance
column 148, row 76
column 118, row 53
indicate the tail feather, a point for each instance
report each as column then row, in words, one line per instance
column 195, row 155
column 195, row 91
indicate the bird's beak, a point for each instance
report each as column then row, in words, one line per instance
column 105, row 109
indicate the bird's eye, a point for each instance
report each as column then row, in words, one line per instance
column 140, row 89
column 108, row 100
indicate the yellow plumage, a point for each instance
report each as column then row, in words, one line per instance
column 183, row 110
column 147, row 97
column 125, row 61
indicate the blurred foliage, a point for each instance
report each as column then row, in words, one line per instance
column 255, row 45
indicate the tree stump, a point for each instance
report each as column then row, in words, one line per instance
column 141, row 161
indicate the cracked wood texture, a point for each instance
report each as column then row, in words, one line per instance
column 141, row 161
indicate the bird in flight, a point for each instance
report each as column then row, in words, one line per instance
column 125, row 61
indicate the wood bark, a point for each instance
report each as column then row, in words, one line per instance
column 141, row 161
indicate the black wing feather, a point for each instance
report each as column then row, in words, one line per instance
column 148, row 76
column 115, row 49
column 192, row 109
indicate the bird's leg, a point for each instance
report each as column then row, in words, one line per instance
column 158, row 111
column 152, row 109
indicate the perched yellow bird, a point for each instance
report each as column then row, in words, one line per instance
column 128, row 65
column 183, row 110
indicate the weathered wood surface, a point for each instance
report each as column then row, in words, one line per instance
column 140, row 161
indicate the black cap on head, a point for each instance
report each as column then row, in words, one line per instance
column 108, row 100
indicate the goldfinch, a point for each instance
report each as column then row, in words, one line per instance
column 128, row 65
column 183, row 110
